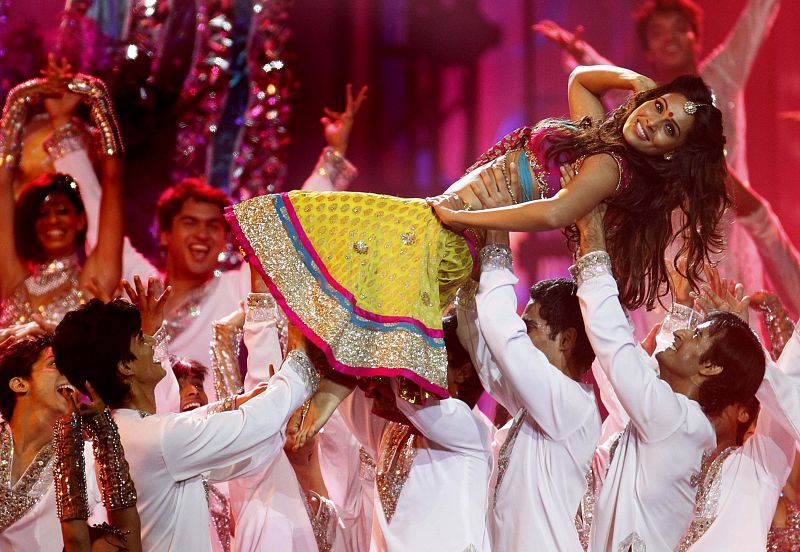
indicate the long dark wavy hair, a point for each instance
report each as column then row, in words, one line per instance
column 639, row 218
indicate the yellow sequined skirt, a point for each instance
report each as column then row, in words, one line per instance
column 364, row 276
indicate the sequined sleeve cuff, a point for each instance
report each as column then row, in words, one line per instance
column 225, row 405
column 337, row 168
column 304, row 368
column 225, row 339
column 496, row 257
column 162, row 340
column 69, row 473
column 591, row 265
column 684, row 317
column 261, row 307
column 116, row 485
column 62, row 141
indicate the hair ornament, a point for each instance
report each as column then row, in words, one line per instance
column 690, row 107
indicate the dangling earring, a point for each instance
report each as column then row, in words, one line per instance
column 668, row 156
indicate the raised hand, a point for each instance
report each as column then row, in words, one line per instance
column 569, row 41
column 337, row 125
column 149, row 302
column 636, row 82
column 721, row 294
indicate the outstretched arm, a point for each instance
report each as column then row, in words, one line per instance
column 732, row 60
column 597, row 180
column 12, row 268
column 333, row 171
column 654, row 409
column 576, row 50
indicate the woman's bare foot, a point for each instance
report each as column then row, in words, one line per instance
column 333, row 389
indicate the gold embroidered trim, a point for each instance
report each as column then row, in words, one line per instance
column 395, row 457
column 707, row 500
column 19, row 499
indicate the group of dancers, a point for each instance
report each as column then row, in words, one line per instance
column 373, row 325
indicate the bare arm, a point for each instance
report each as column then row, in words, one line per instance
column 12, row 269
column 105, row 261
column 596, row 181
column 587, row 84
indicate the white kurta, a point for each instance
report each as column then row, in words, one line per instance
column 741, row 491
column 268, row 504
column 442, row 502
column 40, row 529
column 542, row 472
column 647, row 497
column 169, row 453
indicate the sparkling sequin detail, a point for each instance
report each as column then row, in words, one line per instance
column 591, row 265
column 632, row 543
column 504, row 457
column 219, row 511
column 62, row 141
column 225, row 339
column 496, row 257
column 585, row 515
column 707, row 499
column 46, row 278
column 324, row 521
column 366, row 467
column 397, row 452
column 182, row 317
column 305, row 369
column 18, row 499
column 786, row 538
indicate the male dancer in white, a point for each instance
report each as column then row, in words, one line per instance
column 647, row 497
column 741, row 484
column 171, row 454
column 432, row 472
column 533, row 366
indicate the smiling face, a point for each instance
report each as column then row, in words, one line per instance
column 681, row 360
column 195, row 240
column 145, row 367
column 672, row 45
column 57, row 225
column 192, row 393
column 658, row 126
column 41, row 389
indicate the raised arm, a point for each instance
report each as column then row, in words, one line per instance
column 587, row 84
column 12, row 269
column 104, row 264
column 732, row 60
column 192, row 445
column 654, row 409
column 576, row 50
column 556, row 402
column 333, row 171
